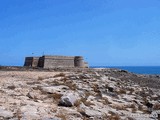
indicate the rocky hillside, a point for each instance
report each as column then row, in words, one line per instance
column 93, row 94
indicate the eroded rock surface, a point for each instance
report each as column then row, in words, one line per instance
column 93, row 94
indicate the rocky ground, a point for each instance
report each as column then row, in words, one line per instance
column 93, row 94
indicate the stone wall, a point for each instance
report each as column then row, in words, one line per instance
column 58, row 61
column 28, row 61
column 31, row 61
column 55, row 61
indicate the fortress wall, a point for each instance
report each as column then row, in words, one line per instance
column 28, row 61
column 86, row 65
column 31, row 61
column 58, row 61
column 55, row 61
column 41, row 62
column 35, row 61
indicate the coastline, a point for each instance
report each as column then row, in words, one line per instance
column 148, row 70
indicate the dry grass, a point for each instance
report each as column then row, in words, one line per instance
column 71, row 85
column 88, row 103
column 40, row 78
column 134, row 109
column 131, row 90
column 46, row 77
column 119, row 107
column 33, row 83
column 18, row 114
column 87, row 94
column 140, row 107
column 84, row 101
column 60, row 75
column 132, row 106
column 130, row 118
column 77, row 103
column 82, row 112
column 57, row 96
column 121, row 91
column 145, row 100
column 62, row 116
column 113, row 116
column 156, row 106
column 96, row 88
column 143, row 109
column 64, row 79
column 105, row 101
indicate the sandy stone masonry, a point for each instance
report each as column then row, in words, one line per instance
column 56, row 61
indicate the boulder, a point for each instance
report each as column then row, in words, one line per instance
column 68, row 99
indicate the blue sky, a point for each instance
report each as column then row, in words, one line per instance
column 105, row 32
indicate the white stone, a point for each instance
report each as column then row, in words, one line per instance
column 5, row 114
column 69, row 99
column 56, row 89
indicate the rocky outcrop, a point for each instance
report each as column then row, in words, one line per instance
column 97, row 94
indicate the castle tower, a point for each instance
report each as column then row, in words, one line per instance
column 31, row 61
column 78, row 61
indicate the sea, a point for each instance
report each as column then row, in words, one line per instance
column 136, row 69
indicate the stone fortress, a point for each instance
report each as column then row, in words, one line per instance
column 48, row 61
